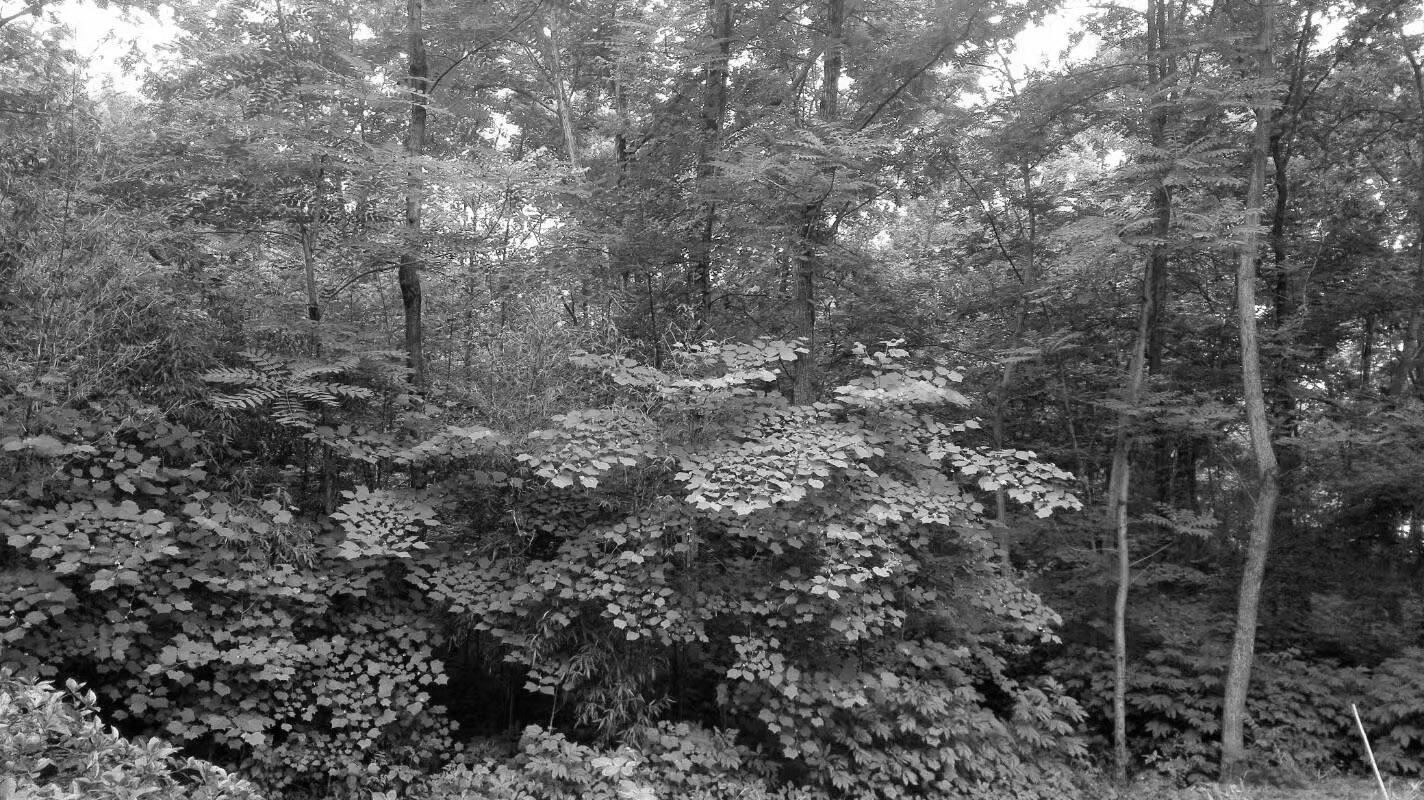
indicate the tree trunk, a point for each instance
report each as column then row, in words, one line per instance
column 812, row 229
column 1028, row 277
column 1414, row 333
column 1119, row 484
column 408, row 275
column 309, row 271
column 1243, row 646
column 1146, row 355
column 714, row 101
column 561, row 90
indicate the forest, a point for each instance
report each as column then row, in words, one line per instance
column 712, row 399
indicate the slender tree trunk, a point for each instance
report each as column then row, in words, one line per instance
column 1146, row 355
column 408, row 274
column 561, row 89
column 720, row 16
column 1119, row 484
column 1267, row 489
column 410, row 256
column 812, row 228
column 1161, row 78
column 309, row 271
column 1414, row 333
column 1028, row 276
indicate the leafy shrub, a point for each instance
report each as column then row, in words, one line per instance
column 286, row 645
column 666, row 760
column 825, row 568
column 1393, row 711
column 819, row 575
column 54, row 747
column 1298, row 711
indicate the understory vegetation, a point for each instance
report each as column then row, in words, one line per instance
column 637, row 399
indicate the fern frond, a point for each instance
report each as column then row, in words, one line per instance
column 305, row 370
column 255, row 397
column 289, row 411
column 312, row 392
column 270, row 364
column 343, row 390
column 235, row 376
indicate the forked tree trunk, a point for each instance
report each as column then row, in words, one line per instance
column 1267, row 488
column 408, row 275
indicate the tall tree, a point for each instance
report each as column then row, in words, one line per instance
column 813, row 230
column 408, row 275
column 720, row 19
column 1267, row 479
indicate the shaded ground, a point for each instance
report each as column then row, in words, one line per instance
column 1324, row 789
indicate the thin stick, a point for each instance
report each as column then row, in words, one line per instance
column 1370, row 751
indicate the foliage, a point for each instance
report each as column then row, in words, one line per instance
column 825, row 566
column 666, row 760
column 53, row 746
column 289, row 646
column 1394, row 715
column 1299, row 720
column 224, row 506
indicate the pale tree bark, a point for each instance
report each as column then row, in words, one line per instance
column 1119, row 484
column 812, row 227
column 408, row 274
column 562, row 104
column 1258, row 424
column 1146, row 355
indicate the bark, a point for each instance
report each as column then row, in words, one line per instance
column 1028, row 282
column 309, row 272
column 1414, row 334
column 720, row 17
column 812, row 229
column 1267, row 488
column 561, row 91
column 1119, row 484
column 1146, row 355
column 408, row 274
column 1161, row 79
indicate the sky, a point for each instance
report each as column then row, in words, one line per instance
column 103, row 35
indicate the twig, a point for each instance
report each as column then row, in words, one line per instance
column 1370, row 751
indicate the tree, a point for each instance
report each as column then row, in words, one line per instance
column 1267, row 479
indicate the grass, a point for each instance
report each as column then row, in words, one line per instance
column 1323, row 789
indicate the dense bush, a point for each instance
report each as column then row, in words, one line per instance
column 53, row 746
column 825, row 569
column 1299, row 718
column 1392, row 705
column 820, row 576
column 215, row 614
column 666, row 760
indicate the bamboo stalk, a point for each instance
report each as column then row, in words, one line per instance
column 1370, row 751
